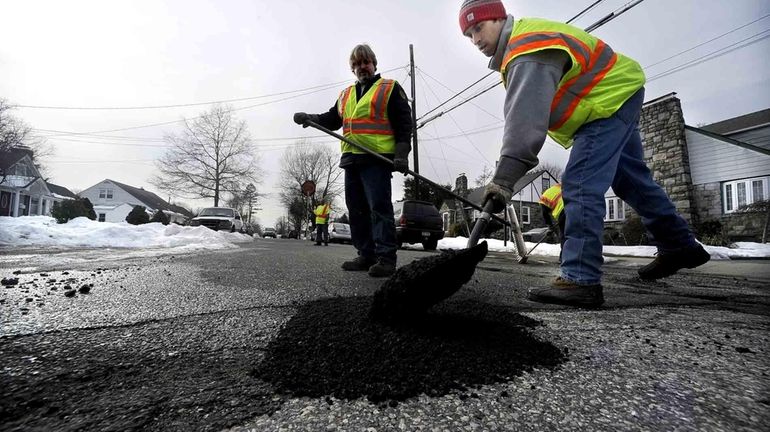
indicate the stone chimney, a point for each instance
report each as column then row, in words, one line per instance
column 665, row 151
column 461, row 185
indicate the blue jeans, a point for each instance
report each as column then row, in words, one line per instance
column 608, row 152
column 370, row 210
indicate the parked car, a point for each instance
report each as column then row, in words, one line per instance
column 418, row 222
column 219, row 218
column 338, row 233
column 535, row 234
column 269, row 232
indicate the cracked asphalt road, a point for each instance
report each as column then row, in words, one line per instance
column 174, row 342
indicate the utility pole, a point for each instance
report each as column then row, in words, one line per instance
column 414, row 123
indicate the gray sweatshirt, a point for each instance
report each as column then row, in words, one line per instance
column 532, row 81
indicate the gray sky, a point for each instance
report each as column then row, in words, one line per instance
column 148, row 53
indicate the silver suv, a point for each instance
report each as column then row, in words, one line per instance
column 219, row 218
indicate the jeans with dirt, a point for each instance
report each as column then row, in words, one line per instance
column 608, row 152
column 370, row 210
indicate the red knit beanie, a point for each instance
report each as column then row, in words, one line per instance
column 474, row 11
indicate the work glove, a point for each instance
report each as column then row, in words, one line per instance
column 302, row 118
column 401, row 165
column 499, row 196
column 401, row 158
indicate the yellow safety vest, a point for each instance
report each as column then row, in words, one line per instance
column 321, row 214
column 596, row 85
column 552, row 199
column 366, row 121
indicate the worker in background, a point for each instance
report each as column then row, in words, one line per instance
column 552, row 205
column 321, row 213
column 572, row 86
column 373, row 112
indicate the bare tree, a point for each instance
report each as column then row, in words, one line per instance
column 211, row 156
column 244, row 200
column 554, row 169
column 318, row 164
column 484, row 177
column 15, row 133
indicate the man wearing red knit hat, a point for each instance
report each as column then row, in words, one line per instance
column 565, row 83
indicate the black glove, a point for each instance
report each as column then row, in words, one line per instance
column 401, row 165
column 401, row 158
column 499, row 195
column 302, row 118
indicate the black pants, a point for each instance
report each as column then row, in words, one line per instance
column 322, row 233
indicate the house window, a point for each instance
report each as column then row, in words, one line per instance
column 105, row 194
column 102, row 217
column 546, row 183
column 525, row 215
column 614, row 210
column 739, row 193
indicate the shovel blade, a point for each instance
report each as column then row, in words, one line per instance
column 417, row 286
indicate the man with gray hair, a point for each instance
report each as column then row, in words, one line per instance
column 373, row 112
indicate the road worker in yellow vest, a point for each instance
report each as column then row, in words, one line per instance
column 375, row 113
column 321, row 213
column 563, row 82
column 552, row 205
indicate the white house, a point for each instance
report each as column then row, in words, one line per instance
column 113, row 201
column 23, row 191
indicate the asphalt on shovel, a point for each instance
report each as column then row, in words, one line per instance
column 417, row 286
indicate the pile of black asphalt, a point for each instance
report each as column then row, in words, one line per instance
column 419, row 285
column 333, row 348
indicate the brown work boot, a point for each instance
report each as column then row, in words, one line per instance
column 566, row 292
column 382, row 268
column 668, row 263
column 358, row 263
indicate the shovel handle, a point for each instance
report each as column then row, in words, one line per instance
column 408, row 171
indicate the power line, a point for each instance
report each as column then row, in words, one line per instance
column 456, row 95
column 618, row 12
column 316, row 89
column 708, row 41
column 584, row 11
column 176, row 105
column 712, row 55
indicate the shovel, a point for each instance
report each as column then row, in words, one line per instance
column 417, row 286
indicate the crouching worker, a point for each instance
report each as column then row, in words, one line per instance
column 552, row 205
column 373, row 112
column 566, row 83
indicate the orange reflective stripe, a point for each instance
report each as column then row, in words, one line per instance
column 344, row 98
column 532, row 41
column 574, row 90
column 362, row 126
column 377, row 107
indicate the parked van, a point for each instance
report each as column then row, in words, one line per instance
column 418, row 222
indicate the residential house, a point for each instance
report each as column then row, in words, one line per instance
column 526, row 197
column 710, row 171
column 113, row 201
column 23, row 191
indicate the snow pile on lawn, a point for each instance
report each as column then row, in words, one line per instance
column 735, row 251
column 37, row 231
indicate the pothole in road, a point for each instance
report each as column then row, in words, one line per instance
column 331, row 348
